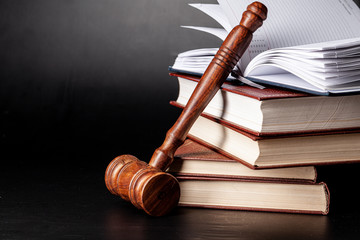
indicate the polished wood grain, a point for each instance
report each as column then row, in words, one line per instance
column 148, row 187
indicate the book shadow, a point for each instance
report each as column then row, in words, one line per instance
column 224, row 108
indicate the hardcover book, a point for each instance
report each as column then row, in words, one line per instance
column 254, row 195
column 279, row 151
column 275, row 111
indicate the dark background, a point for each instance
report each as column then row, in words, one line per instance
column 91, row 76
column 82, row 81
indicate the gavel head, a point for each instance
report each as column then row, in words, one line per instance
column 146, row 187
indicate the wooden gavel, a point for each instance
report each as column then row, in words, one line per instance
column 147, row 186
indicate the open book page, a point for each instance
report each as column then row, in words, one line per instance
column 294, row 22
column 315, row 60
column 218, row 32
column 215, row 11
column 198, row 53
column 329, row 45
column 194, row 61
column 292, row 81
column 335, row 67
column 316, row 41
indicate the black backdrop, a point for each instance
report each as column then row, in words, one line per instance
column 82, row 81
column 90, row 77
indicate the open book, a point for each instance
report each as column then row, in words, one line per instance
column 306, row 45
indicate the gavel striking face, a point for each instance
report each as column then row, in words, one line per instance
column 147, row 186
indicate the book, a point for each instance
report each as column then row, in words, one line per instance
column 196, row 160
column 274, row 111
column 311, row 46
column 254, row 195
column 277, row 151
column 210, row 180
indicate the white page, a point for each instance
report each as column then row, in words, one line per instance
column 290, row 80
column 330, row 45
column 199, row 52
column 278, row 67
column 215, row 11
column 294, row 22
column 340, row 53
column 322, row 64
column 294, row 82
column 218, row 32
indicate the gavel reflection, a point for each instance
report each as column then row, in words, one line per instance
column 147, row 186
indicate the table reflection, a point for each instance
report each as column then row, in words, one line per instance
column 193, row 223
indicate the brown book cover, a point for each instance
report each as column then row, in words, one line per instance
column 252, row 92
column 191, row 150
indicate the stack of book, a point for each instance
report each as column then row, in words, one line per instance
column 211, row 180
column 256, row 148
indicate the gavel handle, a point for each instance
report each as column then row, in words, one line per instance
column 218, row 70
